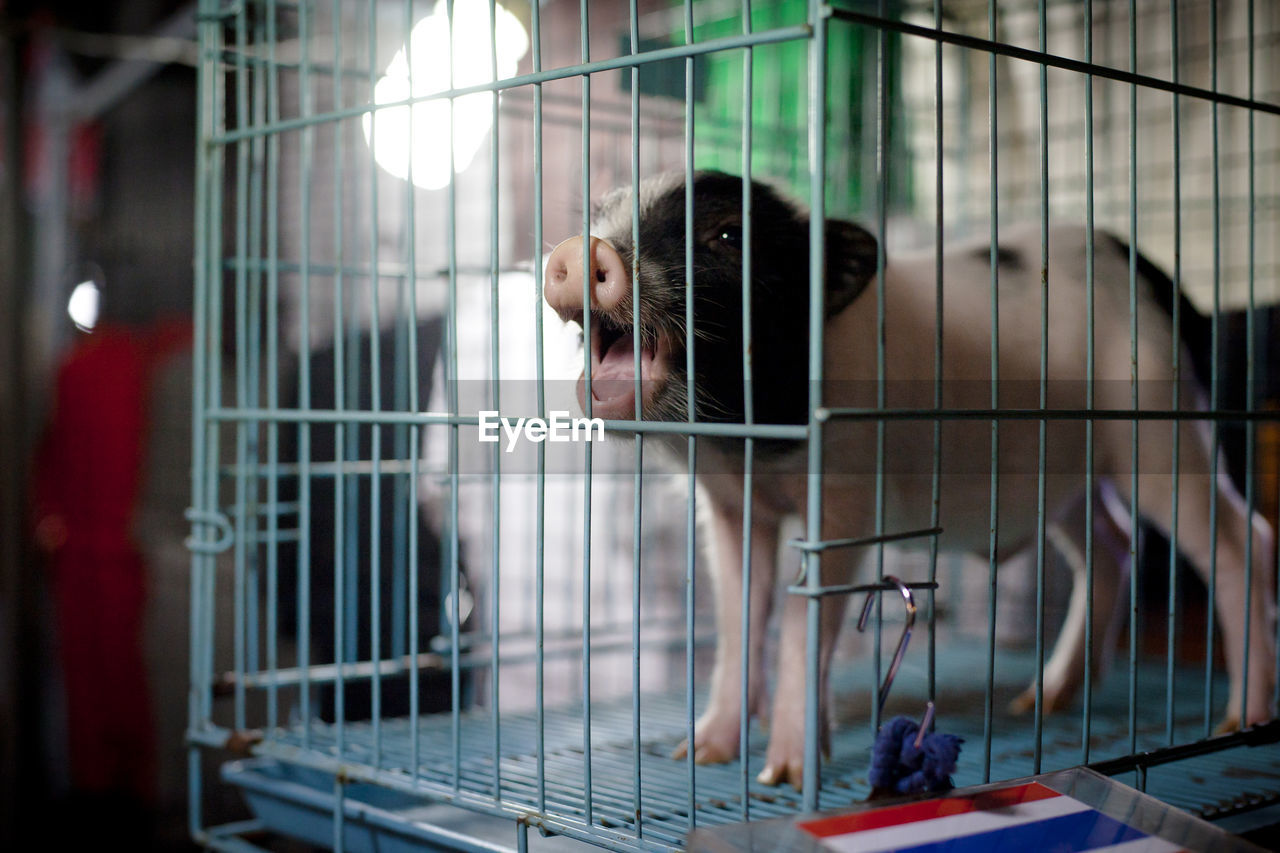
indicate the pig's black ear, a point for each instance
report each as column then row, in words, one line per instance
column 851, row 263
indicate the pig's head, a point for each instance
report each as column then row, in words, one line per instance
column 779, row 294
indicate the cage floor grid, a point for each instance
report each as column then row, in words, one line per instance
column 1210, row 785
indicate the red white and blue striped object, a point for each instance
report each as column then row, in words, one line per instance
column 1017, row 819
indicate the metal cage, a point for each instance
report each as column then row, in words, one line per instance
column 386, row 612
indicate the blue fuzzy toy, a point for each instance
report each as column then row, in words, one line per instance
column 899, row 766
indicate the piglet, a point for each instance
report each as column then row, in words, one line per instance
column 779, row 293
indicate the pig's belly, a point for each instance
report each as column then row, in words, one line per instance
column 964, row 509
column 964, row 471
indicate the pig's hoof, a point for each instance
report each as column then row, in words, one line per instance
column 710, row 753
column 1233, row 723
column 1257, row 710
column 713, row 743
column 706, row 753
column 1054, row 700
column 1229, row 724
column 784, row 763
column 1025, row 703
column 777, row 773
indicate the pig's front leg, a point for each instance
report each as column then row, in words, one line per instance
column 784, row 761
column 716, row 734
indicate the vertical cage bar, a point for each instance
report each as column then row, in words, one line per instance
column 375, row 437
column 410, row 282
column 494, row 356
column 936, row 491
column 587, row 253
column 1250, row 426
column 307, row 154
column 455, row 581
column 241, row 367
column 637, row 476
column 1038, row 747
column 1086, row 723
column 344, row 541
column 415, row 616
column 214, row 306
column 401, row 514
column 273, row 367
column 406, row 356
column 691, row 413
column 257, row 159
column 1176, row 360
column 208, row 78
column 817, row 61
column 540, row 526
column 883, row 167
column 1134, row 605
column 339, row 831
column 1211, row 604
column 988, row 709
column 748, row 400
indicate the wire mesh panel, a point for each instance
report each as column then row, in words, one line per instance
column 444, row 586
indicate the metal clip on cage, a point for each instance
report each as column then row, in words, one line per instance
column 909, row 600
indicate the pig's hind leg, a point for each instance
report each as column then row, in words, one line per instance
column 718, row 730
column 1064, row 671
column 1239, row 590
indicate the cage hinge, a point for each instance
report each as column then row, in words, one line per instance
column 205, row 518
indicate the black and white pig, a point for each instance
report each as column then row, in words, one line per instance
column 779, row 356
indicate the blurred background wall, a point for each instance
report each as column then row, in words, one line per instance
column 97, row 150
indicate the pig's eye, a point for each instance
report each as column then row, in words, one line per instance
column 731, row 236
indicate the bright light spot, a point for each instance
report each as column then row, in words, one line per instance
column 472, row 64
column 83, row 306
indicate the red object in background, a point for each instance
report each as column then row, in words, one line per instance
column 84, row 171
column 87, row 480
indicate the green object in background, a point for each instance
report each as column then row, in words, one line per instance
column 779, row 106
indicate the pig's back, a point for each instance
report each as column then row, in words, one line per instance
column 911, row 321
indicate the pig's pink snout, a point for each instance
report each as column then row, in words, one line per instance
column 608, row 279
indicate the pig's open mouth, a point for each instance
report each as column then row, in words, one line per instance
column 613, row 368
